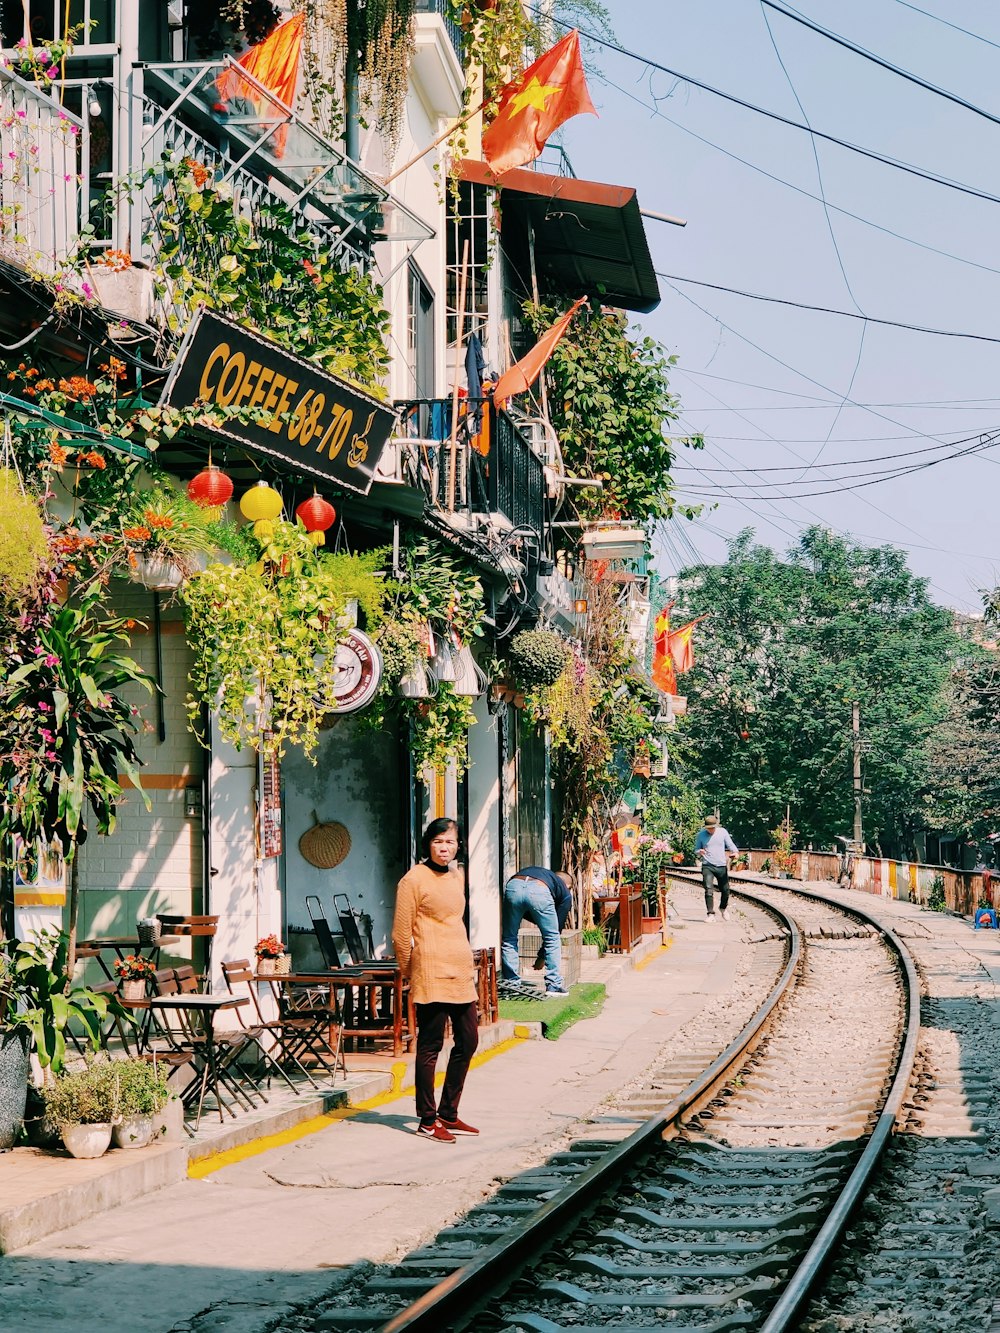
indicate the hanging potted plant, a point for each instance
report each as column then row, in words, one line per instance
column 165, row 537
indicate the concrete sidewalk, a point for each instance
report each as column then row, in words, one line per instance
column 254, row 1231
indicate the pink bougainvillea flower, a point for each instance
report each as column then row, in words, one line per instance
column 51, row 660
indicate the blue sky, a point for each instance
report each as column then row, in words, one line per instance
column 773, row 387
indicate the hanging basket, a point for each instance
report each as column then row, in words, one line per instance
column 443, row 663
column 470, row 679
column 156, row 573
column 419, row 682
column 325, row 845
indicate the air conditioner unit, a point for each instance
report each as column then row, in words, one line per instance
column 659, row 764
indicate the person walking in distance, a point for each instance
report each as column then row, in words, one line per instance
column 543, row 896
column 433, row 950
column 713, row 847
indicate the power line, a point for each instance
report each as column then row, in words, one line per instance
column 865, row 54
column 871, row 154
column 847, row 462
column 976, row 36
column 797, row 189
column 829, row 310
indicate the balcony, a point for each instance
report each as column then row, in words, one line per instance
column 453, row 29
column 491, row 473
column 41, row 197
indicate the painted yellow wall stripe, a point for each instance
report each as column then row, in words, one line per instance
column 205, row 1166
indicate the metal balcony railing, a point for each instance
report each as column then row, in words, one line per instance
column 217, row 114
column 454, row 29
column 494, row 473
column 41, row 197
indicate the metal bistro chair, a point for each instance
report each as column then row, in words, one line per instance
column 288, row 1032
column 376, row 999
column 197, row 927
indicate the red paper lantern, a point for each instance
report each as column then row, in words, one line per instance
column 316, row 515
column 211, row 488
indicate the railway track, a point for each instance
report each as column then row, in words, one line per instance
column 720, row 1208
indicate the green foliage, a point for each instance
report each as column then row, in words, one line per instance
column 440, row 729
column 442, row 587
column 586, row 1000
column 89, row 1096
column 936, row 901
column 269, row 273
column 610, row 403
column 537, row 657
column 595, row 935
column 787, row 646
column 65, row 727
column 265, row 636
column 36, row 993
column 142, row 1090
column 23, row 548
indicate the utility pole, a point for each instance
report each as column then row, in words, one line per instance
column 856, row 728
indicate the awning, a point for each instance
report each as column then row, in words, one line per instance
column 589, row 238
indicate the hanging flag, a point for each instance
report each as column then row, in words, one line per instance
column 663, row 675
column 274, row 62
column 548, row 92
column 680, row 646
column 523, row 373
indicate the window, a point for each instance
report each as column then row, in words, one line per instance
column 419, row 335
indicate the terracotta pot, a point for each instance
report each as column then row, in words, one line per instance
column 86, row 1140
column 652, row 925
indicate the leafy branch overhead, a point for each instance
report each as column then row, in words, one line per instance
column 611, row 404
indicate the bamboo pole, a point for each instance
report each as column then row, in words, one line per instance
column 445, row 134
column 460, row 330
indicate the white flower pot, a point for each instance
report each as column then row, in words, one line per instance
column 86, row 1140
column 156, row 573
column 135, row 1131
column 133, row 989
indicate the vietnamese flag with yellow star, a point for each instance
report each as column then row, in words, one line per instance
column 548, row 92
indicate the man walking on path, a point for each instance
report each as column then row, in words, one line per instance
column 713, row 847
column 543, row 896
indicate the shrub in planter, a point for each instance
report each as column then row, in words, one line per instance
column 84, row 1103
column 142, row 1093
column 537, row 657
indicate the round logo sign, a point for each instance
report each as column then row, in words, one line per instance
column 357, row 671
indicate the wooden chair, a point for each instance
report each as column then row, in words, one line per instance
column 285, row 1032
column 197, row 927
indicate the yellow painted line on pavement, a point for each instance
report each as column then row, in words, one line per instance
column 655, row 954
column 205, row 1166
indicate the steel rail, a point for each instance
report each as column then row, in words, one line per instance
column 471, row 1286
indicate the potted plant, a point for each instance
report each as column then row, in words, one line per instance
column 37, row 1002
column 84, row 1103
column 142, row 1094
column 134, row 972
column 271, row 957
column 164, row 536
column 537, row 658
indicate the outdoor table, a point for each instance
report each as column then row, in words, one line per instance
column 122, row 945
column 198, row 1013
column 370, row 983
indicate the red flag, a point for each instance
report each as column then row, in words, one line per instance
column 548, row 92
column 274, row 62
column 523, row 373
column 663, row 674
column 680, row 646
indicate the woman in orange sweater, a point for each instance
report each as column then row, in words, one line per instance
column 433, row 950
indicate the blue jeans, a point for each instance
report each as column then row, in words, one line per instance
column 532, row 899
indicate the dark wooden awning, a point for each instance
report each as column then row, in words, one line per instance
column 589, row 237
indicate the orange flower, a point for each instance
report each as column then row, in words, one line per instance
column 95, row 460
column 114, row 368
column 57, row 454
column 138, row 534
column 163, row 522
column 78, row 387
column 199, row 172
column 116, row 260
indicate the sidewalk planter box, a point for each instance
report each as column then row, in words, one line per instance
column 529, row 941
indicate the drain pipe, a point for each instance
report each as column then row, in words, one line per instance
column 352, row 113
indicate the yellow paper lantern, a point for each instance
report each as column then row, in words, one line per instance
column 263, row 529
column 261, row 501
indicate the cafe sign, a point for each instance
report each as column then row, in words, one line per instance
column 312, row 420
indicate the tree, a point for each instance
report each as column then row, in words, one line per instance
column 789, row 644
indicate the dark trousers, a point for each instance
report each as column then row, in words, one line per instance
column 710, row 877
column 431, row 1019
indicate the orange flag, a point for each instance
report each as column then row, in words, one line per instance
column 680, row 646
column 663, row 674
column 548, row 92
column 523, row 373
column 274, row 62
